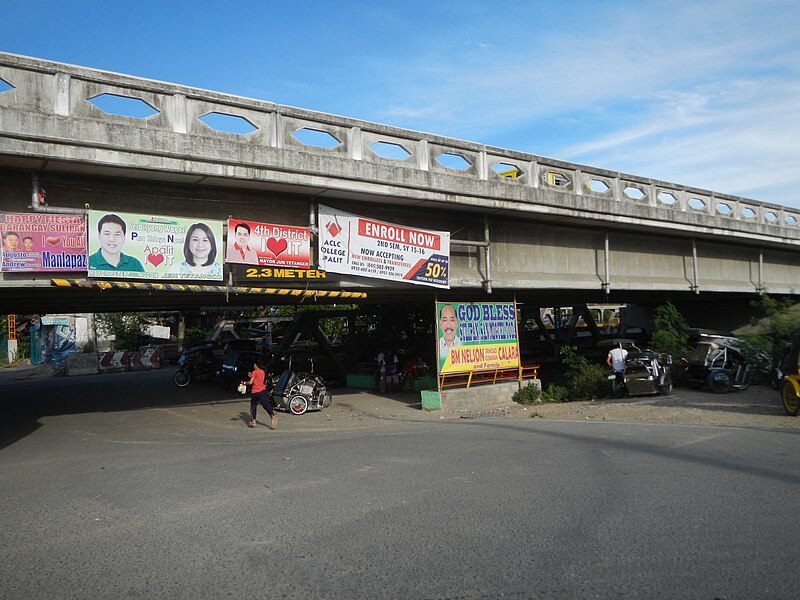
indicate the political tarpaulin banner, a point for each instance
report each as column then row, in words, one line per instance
column 39, row 242
column 136, row 246
column 476, row 336
column 268, row 245
column 354, row 245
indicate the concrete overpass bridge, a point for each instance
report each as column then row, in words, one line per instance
column 546, row 230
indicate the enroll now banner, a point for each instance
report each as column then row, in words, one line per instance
column 40, row 242
column 137, row 246
column 476, row 336
column 355, row 245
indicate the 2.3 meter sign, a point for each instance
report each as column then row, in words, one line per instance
column 355, row 245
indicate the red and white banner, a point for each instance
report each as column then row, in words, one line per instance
column 43, row 242
column 265, row 244
column 149, row 358
column 114, row 361
column 354, row 245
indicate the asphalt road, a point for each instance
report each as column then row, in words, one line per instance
column 123, row 486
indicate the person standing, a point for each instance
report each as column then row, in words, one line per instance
column 388, row 362
column 616, row 358
column 259, row 393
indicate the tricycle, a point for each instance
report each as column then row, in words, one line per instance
column 718, row 364
column 225, row 364
column 298, row 392
column 645, row 372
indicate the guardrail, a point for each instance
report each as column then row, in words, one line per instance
column 64, row 91
column 468, row 378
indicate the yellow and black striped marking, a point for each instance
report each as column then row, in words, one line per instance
column 195, row 288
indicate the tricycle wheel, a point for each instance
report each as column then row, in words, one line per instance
column 298, row 404
column 791, row 402
column 720, row 382
column 182, row 378
column 666, row 389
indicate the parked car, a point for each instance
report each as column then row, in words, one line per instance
column 790, row 386
column 718, row 364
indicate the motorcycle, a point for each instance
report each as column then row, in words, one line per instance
column 197, row 363
column 210, row 361
column 298, row 392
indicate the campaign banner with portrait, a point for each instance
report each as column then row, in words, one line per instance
column 355, row 245
column 268, row 245
column 476, row 336
column 39, row 242
column 136, row 246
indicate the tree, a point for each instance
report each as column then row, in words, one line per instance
column 127, row 329
column 769, row 333
column 585, row 380
column 671, row 335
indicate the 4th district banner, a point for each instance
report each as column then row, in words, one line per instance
column 476, row 336
column 354, row 245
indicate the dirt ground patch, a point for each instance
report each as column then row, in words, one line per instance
column 757, row 407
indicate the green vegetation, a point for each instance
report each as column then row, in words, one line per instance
column 769, row 333
column 671, row 335
column 531, row 394
column 127, row 329
column 554, row 394
column 330, row 326
column 194, row 335
column 585, row 380
column 23, row 343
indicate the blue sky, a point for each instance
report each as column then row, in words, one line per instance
column 703, row 93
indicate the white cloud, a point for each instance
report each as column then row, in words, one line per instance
column 702, row 94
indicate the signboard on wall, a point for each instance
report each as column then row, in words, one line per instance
column 39, row 242
column 247, row 275
column 476, row 336
column 136, row 246
column 355, row 245
column 268, row 245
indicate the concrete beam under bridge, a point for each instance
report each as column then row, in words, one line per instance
column 550, row 237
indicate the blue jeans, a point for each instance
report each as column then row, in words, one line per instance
column 263, row 398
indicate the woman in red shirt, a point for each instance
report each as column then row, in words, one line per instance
column 259, row 394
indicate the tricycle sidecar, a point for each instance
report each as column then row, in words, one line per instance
column 648, row 372
column 299, row 392
column 719, row 365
